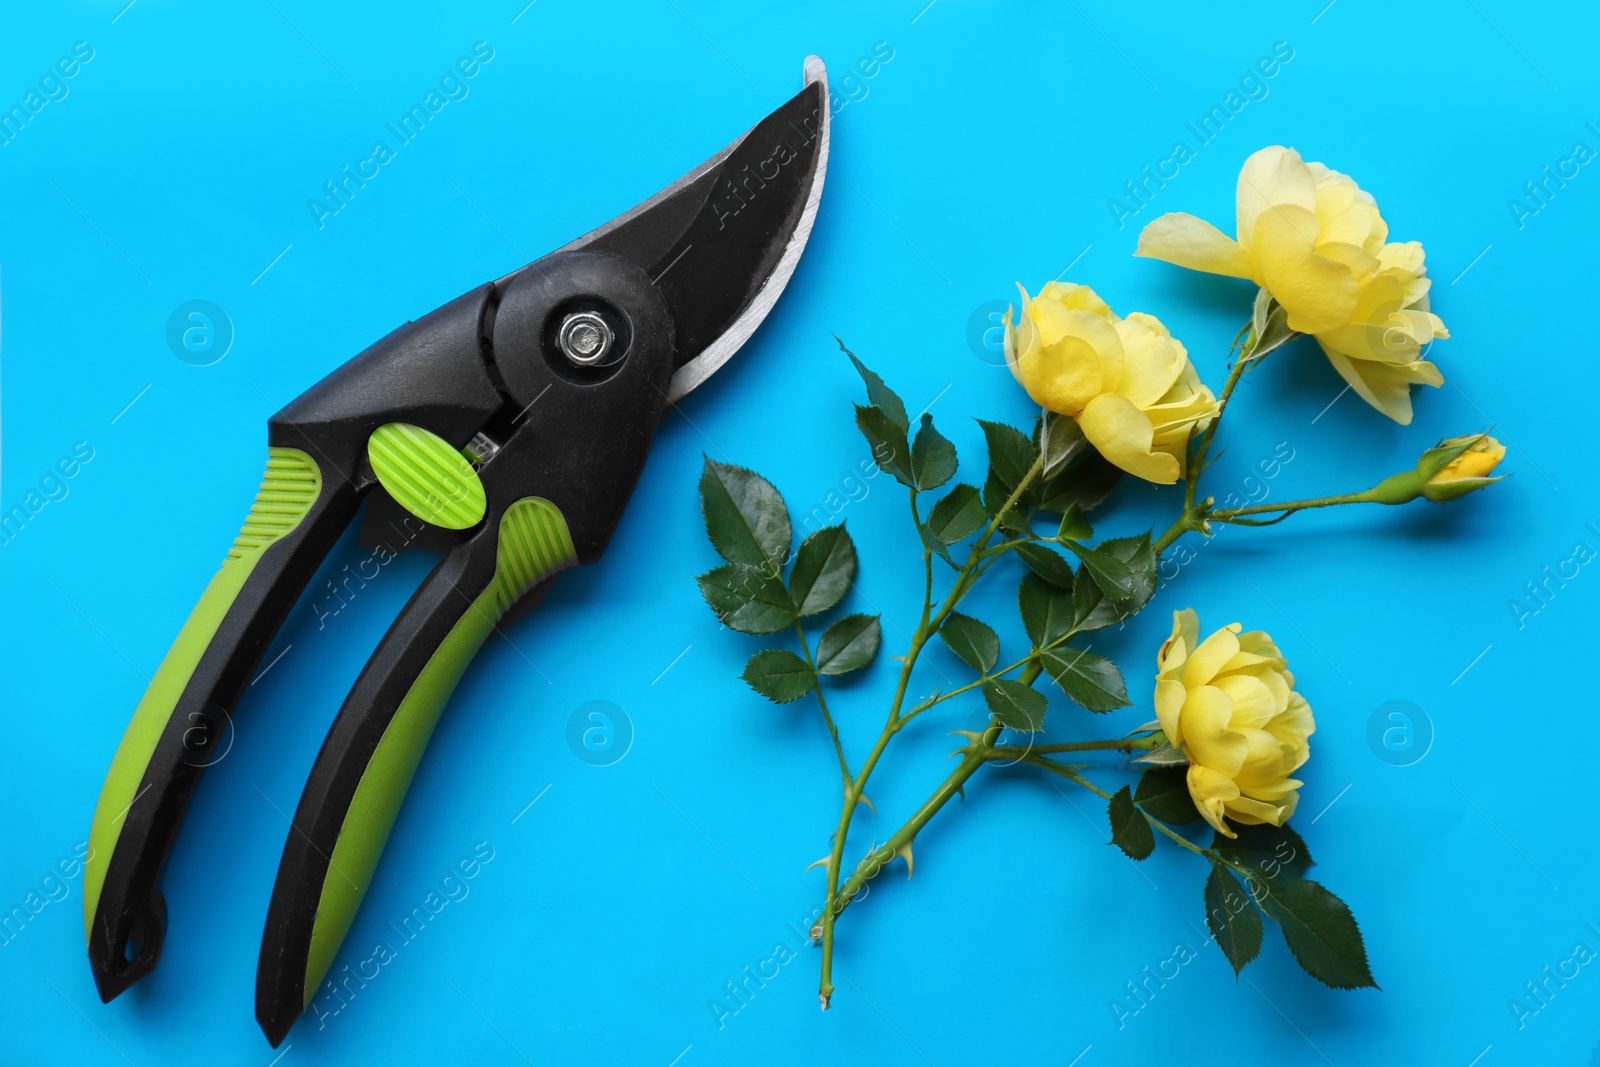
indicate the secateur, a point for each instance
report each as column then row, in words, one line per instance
column 516, row 419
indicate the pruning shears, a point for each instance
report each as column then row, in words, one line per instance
column 516, row 419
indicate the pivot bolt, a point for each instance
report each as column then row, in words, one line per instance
column 585, row 338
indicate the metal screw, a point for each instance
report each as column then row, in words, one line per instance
column 585, row 338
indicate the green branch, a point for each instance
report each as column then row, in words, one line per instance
column 1289, row 507
column 976, row 755
column 822, row 702
column 1160, row 827
column 928, row 626
column 1116, row 744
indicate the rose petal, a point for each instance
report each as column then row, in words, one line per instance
column 1254, row 704
column 1170, row 696
column 1214, row 651
column 1348, row 215
column 1317, row 293
column 1259, row 643
column 1152, row 360
column 1078, row 298
column 1211, row 792
column 1253, row 812
column 1272, row 177
column 1385, row 387
column 1276, row 789
column 1205, row 734
column 1124, row 436
column 1182, row 239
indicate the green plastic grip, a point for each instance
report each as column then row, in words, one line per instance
column 533, row 543
column 288, row 490
column 427, row 476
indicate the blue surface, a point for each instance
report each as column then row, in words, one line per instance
column 177, row 166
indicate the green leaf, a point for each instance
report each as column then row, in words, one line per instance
column 1047, row 563
column 1109, row 573
column 1017, row 706
column 1260, row 310
column 936, row 546
column 1092, row 681
column 880, row 395
column 1074, row 527
column 1094, row 609
column 1165, row 754
column 933, row 457
column 888, row 440
column 823, row 570
column 1087, row 481
column 745, row 517
column 1129, row 829
column 1060, row 442
column 958, row 515
column 995, row 495
column 1091, row 608
column 748, row 600
column 975, row 642
column 1011, row 453
column 1232, row 918
column 1274, row 851
column 779, row 675
column 1011, row 456
column 1046, row 611
column 1320, row 931
column 1140, row 557
column 1164, row 794
column 849, row 644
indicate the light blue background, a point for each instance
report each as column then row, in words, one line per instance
column 178, row 167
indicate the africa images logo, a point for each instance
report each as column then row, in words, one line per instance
column 735, row 192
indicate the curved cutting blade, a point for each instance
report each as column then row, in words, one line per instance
column 723, row 241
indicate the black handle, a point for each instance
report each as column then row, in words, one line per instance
column 297, row 516
column 366, row 764
column 431, row 371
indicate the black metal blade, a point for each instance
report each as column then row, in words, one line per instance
column 723, row 241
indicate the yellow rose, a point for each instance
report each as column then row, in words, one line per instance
column 1448, row 470
column 1229, row 703
column 1470, row 468
column 1128, row 383
column 1481, row 455
column 1315, row 240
